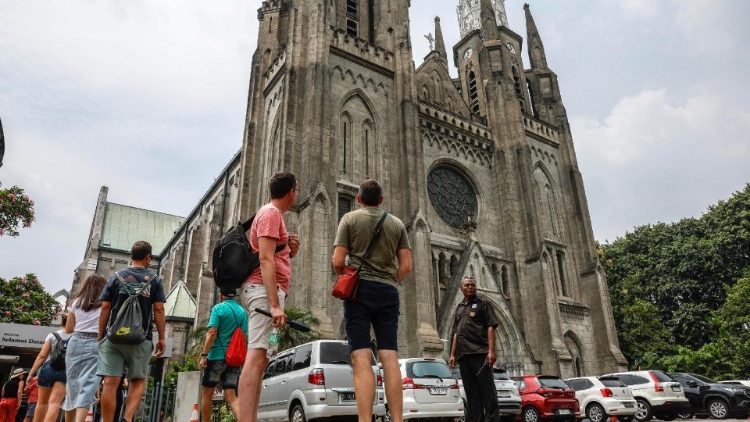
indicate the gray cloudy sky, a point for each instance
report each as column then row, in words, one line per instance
column 148, row 97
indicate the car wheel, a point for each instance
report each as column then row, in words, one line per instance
column 687, row 415
column 643, row 412
column 596, row 413
column 297, row 414
column 718, row 409
column 530, row 415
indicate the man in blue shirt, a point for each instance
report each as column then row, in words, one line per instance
column 225, row 318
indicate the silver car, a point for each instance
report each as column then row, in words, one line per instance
column 429, row 390
column 313, row 381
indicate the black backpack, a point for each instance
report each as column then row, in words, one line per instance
column 127, row 326
column 57, row 356
column 234, row 260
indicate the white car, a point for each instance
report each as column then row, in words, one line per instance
column 601, row 398
column 429, row 390
column 745, row 383
column 656, row 393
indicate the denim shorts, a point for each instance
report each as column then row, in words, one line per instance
column 81, row 361
column 48, row 376
column 376, row 304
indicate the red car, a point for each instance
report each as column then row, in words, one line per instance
column 546, row 397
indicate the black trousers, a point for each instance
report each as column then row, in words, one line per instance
column 479, row 386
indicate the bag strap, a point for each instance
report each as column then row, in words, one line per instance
column 378, row 229
column 57, row 336
column 247, row 225
column 236, row 322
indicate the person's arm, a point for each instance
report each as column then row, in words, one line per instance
column 40, row 358
column 70, row 322
column 21, row 386
column 210, row 338
column 339, row 258
column 160, row 320
column 490, row 346
column 103, row 318
column 404, row 264
column 452, row 360
column 266, row 252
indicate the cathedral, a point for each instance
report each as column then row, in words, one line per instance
column 481, row 169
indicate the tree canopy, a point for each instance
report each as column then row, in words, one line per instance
column 23, row 300
column 16, row 210
column 677, row 290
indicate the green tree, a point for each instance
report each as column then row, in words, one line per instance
column 23, row 300
column 16, row 210
column 289, row 337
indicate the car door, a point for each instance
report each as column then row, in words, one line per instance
column 266, row 400
column 691, row 389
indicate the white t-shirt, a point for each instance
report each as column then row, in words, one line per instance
column 86, row 322
column 52, row 340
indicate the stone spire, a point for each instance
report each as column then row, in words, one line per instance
column 439, row 43
column 487, row 19
column 537, row 57
column 469, row 12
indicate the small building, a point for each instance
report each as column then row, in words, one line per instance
column 180, row 309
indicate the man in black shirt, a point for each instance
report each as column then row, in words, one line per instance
column 473, row 346
column 131, row 358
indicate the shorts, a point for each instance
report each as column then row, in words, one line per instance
column 258, row 326
column 48, row 376
column 376, row 304
column 116, row 358
column 30, row 410
column 217, row 371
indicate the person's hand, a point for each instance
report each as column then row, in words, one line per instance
column 491, row 358
column 278, row 317
column 160, row 346
column 452, row 362
column 204, row 361
column 293, row 245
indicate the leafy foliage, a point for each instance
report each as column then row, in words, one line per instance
column 289, row 337
column 16, row 210
column 23, row 300
column 677, row 290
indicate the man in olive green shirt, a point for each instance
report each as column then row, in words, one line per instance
column 377, row 301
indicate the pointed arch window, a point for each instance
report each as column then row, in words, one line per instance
column 473, row 93
column 368, row 140
column 562, row 280
column 345, row 136
column 345, row 204
column 352, row 17
column 518, row 86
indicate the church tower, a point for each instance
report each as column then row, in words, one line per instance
column 480, row 168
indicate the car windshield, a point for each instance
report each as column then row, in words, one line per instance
column 499, row 374
column 428, row 369
column 552, row 383
column 707, row 380
column 611, row 382
column 336, row 353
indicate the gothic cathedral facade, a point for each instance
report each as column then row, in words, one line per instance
column 481, row 169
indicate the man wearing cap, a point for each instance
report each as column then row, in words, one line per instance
column 11, row 396
column 474, row 348
column 225, row 318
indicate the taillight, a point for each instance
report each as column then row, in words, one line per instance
column 409, row 384
column 657, row 385
column 544, row 392
column 379, row 380
column 455, row 385
column 606, row 392
column 316, row 377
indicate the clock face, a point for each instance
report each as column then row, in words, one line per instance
column 468, row 53
column 511, row 48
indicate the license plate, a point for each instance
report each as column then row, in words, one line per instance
column 563, row 411
column 675, row 388
column 503, row 393
column 438, row 391
column 347, row 396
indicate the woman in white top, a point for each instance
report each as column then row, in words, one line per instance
column 51, row 380
column 83, row 349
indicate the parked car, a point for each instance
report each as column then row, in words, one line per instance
column 430, row 390
column 656, row 393
column 708, row 397
column 545, row 397
column 508, row 397
column 600, row 398
column 313, row 381
column 745, row 383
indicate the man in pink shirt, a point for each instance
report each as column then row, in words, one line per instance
column 267, row 286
